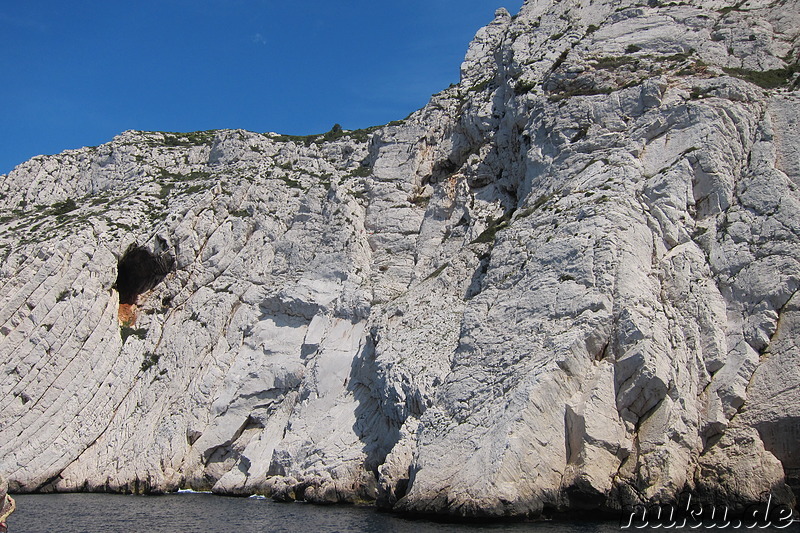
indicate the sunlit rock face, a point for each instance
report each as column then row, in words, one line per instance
column 568, row 282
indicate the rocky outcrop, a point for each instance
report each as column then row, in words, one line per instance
column 568, row 282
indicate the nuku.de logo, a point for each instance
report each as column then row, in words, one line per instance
column 687, row 512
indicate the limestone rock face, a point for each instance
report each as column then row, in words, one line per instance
column 568, row 282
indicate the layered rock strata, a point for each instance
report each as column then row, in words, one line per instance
column 568, row 282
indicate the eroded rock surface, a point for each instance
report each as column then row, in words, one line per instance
column 568, row 282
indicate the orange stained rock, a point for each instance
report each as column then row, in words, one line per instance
column 127, row 314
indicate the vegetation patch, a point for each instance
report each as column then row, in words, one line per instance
column 196, row 175
column 523, row 87
column 241, row 213
column 767, row 79
column 100, row 201
column 580, row 134
column 150, row 360
column 120, row 225
column 335, row 133
column 166, row 189
column 580, row 91
column 167, row 176
column 126, row 331
column 679, row 57
column 698, row 92
column 541, row 200
column 194, row 138
column 325, row 180
column 494, row 225
column 363, row 135
column 436, row 272
column 62, row 208
column 295, row 184
column 299, row 139
column 419, row 200
column 359, row 195
column 728, row 9
column 480, row 86
column 560, row 60
column 194, row 189
column 697, row 67
column 196, row 318
column 361, row 172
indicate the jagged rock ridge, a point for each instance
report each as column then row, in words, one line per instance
column 568, row 282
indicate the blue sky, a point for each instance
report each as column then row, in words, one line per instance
column 77, row 73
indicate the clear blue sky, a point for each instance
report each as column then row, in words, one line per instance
column 76, row 73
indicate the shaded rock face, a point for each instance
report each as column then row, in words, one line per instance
column 569, row 282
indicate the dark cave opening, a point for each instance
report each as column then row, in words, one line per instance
column 138, row 271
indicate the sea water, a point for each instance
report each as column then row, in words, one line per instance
column 206, row 513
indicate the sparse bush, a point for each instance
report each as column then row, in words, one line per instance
column 478, row 87
column 494, row 225
column 295, row 184
column 150, row 360
column 241, row 213
column 362, row 172
column 194, row 138
column 612, row 63
column 61, row 208
column 436, row 272
column 524, row 86
column 196, row 175
column 166, row 188
column 766, row 79
column 126, row 331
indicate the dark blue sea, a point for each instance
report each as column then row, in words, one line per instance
column 206, row 513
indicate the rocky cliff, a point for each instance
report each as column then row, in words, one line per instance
column 568, row 282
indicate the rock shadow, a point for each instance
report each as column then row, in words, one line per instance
column 378, row 431
column 138, row 271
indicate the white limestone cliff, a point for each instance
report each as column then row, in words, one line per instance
column 568, row 282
